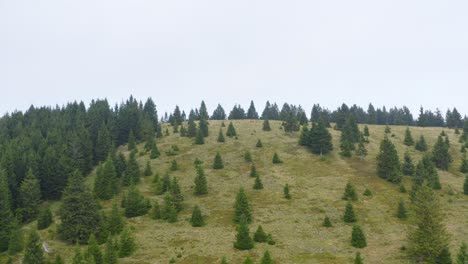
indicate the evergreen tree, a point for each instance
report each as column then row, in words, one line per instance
column 465, row 185
column 367, row 192
column 464, row 164
column 243, row 239
column 166, row 184
column 218, row 162
column 169, row 212
column 407, row 167
column 248, row 260
column 106, row 182
column 201, row 186
column 30, row 197
column 358, row 258
column 148, row 171
column 402, row 212
column 45, row 218
column 260, row 236
column 358, row 239
column 286, row 192
column 197, row 218
column 270, row 240
column 242, row 207
column 349, row 216
column 203, row 126
column 426, row 170
column 127, row 244
column 350, row 193
column 218, row 113
column 441, row 155
column 177, row 196
column 247, row 156
column 103, row 144
column 78, row 258
column 266, row 259
column 115, row 222
column 444, row 257
column 421, row 144
column 327, row 222
column 174, row 165
column 258, row 185
column 110, row 254
column 231, row 131
column 266, row 125
column 361, row 150
column 462, row 255
column 131, row 141
column 276, row 159
column 429, row 238
column 191, row 128
column 16, row 243
column 33, row 253
column 94, row 251
column 259, row 144
column 388, row 164
column 79, row 212
column 199, row 139
column 156, row 213
column 132, row 171
column 366, row 131
column 304, row 138
column 221, row 136
column 6, row 216
column 320, row 139
column 251, row 112
column 408, row 138
column 135, row 203
column 388, row 130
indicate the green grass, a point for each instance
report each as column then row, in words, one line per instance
column 316, row 186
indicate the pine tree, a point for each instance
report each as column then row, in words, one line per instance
column 304, row 138
column 243, row 239
column 6, row 216
column 407, row 167
column 258, row 185
column 402, row 212
column 444, row 257
column 156, row 213
column 132, row 171
column 231, row 131
column 154, row 154
column 131, row 141
column 106, row 182
column 259, row 144
column 242, row 207
column 366, row 131
column 199, row 139
column 266, row 259
column 327, row 222
column 201, row 186
column 349, row 216
column 251, row 112
column 191, row 128
column 148, row 171
column 465, row 185
column 127, row 244
column 441, row 155
column 221, row 136
column 247, row 156
column 177, row 196
column 16, row 242
column 135, row 203
column 93, row 250
column 169, row 211
column 197, row 218
column 320, row 139
column 78, row 258
column 266, row 125
column 30, row 197
column 358, row 258
column 110, row 254
column 103, row 144
column 79, row 212
column 174, row 165
column 464, row 164
column 361, row 150
column 350, row 193
column 260, row 236
column 33, row 253
column 462, row 256
column 45, row 218
column 358, row 239
column 426, row 170
column 276, row 159
column 408, row 138
column 203, row 126
column 430, row 237
column 115, row 222
column 388, row 164
column 286, row 193
column 248, row 260
column 421, row 144
column 218, row 162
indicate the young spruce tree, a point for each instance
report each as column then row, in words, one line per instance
column 388, row 164
column 218, row 162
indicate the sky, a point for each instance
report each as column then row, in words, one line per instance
column 391, row 53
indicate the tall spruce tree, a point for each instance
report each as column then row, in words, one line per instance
column 258, row 185
column 132, row 171
column 33, row 253
column 242, row 207
column 199, row 139
column 441, row 155
column 6, row 216
column 103, row 144
column 131, row 141
column 407, row 168
column 218, row 113
column 115, row 223
column 426, row 171
column 251, row 112
column 110, row 253
column 94, row 250
column 45, row 218
column 428, row 239
column 408, row 141
column 191, row 127
column 402, row 213
column 320, row 139
column 388, row 164
column 135, row 203
column 177, row 196
column 30, row 197
column 127, row 243
column 148, row 171
column 201, row 186
column 106, row 182
column 16, row 241
column 79, row 212
column 203, row 126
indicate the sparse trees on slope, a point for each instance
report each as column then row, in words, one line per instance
column 199, row 139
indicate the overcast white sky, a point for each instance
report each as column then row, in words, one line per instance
column 390, row 53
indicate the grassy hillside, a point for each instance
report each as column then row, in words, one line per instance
column 316, row 185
